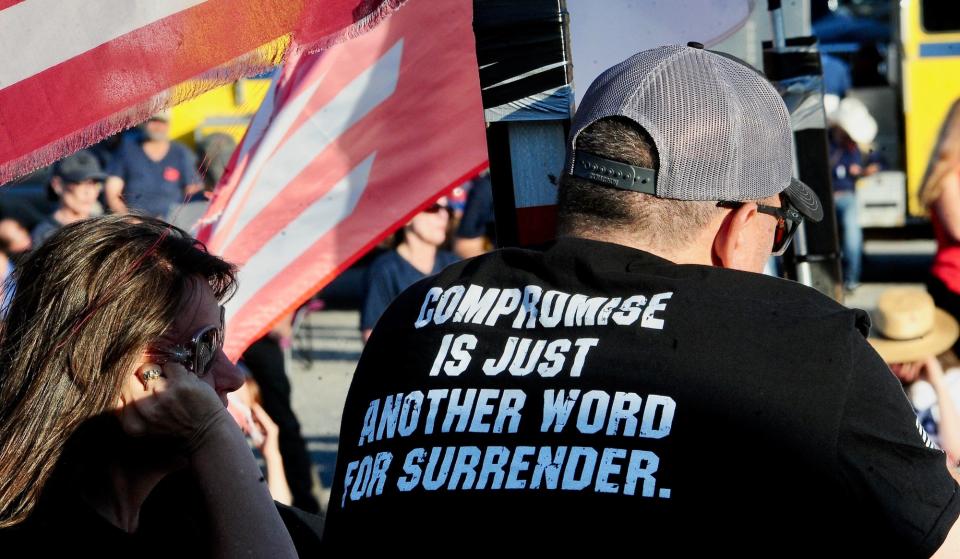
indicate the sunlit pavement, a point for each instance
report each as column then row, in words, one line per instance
column 889, row 264
column 325, row 353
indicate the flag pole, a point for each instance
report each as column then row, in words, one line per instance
column 523, row 51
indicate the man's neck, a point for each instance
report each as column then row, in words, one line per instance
column 694, row 253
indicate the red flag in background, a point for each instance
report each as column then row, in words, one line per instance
column 75, row 72
column 349, row 144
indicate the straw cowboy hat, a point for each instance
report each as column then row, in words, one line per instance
column 853, row 116
column 910, row 328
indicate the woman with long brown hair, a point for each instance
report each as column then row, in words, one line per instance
column 114, row 437
column 940, row 193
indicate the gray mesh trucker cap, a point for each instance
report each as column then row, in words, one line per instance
column 721, row 130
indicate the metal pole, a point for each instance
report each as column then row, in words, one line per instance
column 776, row 23
column 804, row 274
column 526, row 145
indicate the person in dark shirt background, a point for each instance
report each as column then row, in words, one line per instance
column 416, row 256
column 77, row 181
column 476, row 233
column 17, row 219
column 154, row 174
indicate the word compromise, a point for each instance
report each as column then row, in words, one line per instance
column 532, row 307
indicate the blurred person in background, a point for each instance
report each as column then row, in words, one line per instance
column 940, row 194
column 416, row 255
column 476, row 233
column 15, row 234
column 267, row 365
column 214, row 151
column 8, row 285
column 17, row 219
column 15, row 244
column 245, row 407
column 77, row 181
column 852, row 130
column 914, row 338
column 154, row 174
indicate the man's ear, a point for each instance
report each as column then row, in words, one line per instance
column 732, row 246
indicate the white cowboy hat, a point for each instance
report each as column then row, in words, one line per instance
column 854, row 117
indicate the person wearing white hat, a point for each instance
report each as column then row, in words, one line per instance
column 852, row 131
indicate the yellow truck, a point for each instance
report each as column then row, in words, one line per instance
column 922, row 66
column 929, row 33
column 227, row 109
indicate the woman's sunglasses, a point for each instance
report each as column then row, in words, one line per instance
column 436, row 207
column 199, row 355
column 788, row 221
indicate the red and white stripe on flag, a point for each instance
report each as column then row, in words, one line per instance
column 348, row 145
column 74, row 72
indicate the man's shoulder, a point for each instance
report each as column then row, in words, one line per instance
column 127, row 149
column 181, row 153
column 180, row 149
column 761, row 289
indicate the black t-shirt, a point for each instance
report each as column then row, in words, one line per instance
column 593, row 395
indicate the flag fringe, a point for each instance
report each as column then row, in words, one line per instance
column 358, row 28
column 258, row 61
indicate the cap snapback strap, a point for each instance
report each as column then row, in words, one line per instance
column 613, row 173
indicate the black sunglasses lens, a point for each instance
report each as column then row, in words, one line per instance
column 780, row 234
column 207, row 346
column 437, row 208
column 784, row 235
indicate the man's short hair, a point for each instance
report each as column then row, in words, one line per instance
column 589, row 207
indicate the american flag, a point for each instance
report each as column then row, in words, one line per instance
column 349, row 144
column 76, row 71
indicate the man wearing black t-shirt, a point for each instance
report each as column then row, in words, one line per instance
column 637, row 385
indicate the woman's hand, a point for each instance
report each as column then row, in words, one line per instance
column 270, row 442
column 270, row 448
column 907, row 372
column 928, row 369
column 932, row 371
column 175, row 404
